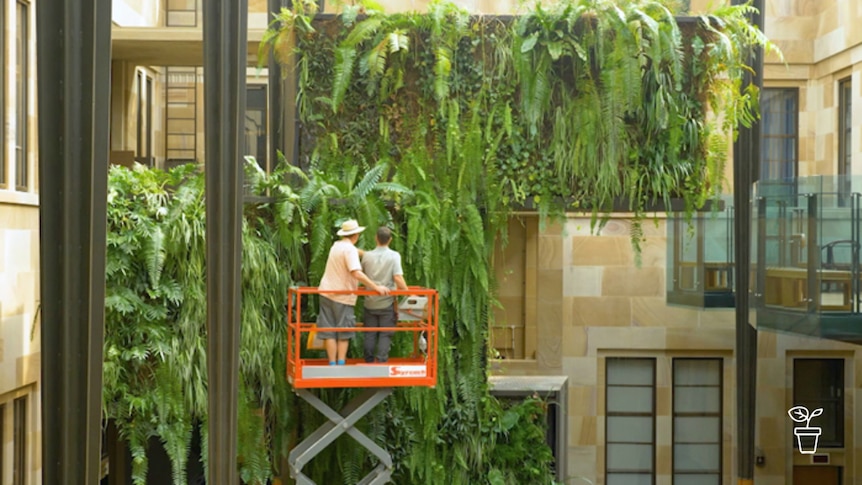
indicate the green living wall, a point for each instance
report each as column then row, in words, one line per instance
column 438, row 124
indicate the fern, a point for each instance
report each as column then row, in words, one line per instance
column 446, row 120
column 343, row 73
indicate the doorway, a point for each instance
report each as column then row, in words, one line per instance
column 816, row 475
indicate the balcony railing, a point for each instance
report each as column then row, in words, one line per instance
column 417, row 317
column 700, row 259
column 805, row 259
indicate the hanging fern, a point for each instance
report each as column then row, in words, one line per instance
column 437, row 125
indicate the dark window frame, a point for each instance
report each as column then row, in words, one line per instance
column 144, row 129
column 19, row 441
column 765, row 162
column 4, row 176
column 719, row 415
column 22, row 94
column 2, row 435
column 263, row 161
column 838, row 402
column 609, row 414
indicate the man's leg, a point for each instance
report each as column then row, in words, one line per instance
column 371, row 321
column 384, row 343
column 346, row 319
column 329, row 345
column 342, row 349
column 327, row 318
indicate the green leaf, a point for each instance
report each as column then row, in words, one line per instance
column 529, row 42
column 555, row 49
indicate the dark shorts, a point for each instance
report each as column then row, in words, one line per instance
column 335, row 315
column 377, row 344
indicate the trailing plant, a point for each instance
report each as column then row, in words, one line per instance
column 576, row 106
column 155, row 382
column 438, row 125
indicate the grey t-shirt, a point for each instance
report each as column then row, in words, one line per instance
column 381, row 265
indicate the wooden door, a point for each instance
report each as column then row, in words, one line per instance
column 816, row 475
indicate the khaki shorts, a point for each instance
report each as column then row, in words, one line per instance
column 335, row 315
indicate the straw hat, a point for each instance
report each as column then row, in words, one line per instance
column 349, row 228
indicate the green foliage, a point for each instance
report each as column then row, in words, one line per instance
column 574, row 106
column 438, row 125
column 155, row 382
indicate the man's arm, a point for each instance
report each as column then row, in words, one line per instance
column 399, row 282
column 358, row 274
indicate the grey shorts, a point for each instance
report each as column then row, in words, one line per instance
column 335, row 315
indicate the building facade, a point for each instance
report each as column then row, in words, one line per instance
column 651, row 396
column 652, row 391
column 19, row 248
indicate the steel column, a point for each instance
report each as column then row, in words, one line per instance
column 746, row 166
column 225, row 29
column 276, row 107
column 73, row 50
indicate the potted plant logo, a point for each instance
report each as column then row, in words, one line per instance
column 807, row 436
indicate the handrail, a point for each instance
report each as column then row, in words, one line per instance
column 418, row 369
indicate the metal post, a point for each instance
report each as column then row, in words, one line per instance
column 276, row 99
column 73, row 50
column 813, row 257
column 225, row 30
column 292, row 125
column 746, row 165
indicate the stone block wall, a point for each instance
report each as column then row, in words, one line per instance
column 593, row 302
column 19, row 331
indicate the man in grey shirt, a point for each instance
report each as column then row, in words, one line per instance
column 383, row 267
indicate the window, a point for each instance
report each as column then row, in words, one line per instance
column 697, row 411
column 21, row 94
column 513, row 333
column 255, row 124
column 19, row 454
column 181, row 110
column 630, row 421
column 779, row 133
column 144, row 147
column 819, row 383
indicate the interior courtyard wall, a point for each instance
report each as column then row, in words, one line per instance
column 611, row 307
column 19, row 253
column 19, row 330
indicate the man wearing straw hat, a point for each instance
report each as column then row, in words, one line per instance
column 343, row 273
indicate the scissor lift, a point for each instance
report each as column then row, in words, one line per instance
column 417, row 315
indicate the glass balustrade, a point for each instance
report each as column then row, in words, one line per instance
column 805, row 257
column 700, row 258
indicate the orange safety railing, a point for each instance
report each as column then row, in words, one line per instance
column 417, row 369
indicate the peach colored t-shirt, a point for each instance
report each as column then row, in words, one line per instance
column 343, row 259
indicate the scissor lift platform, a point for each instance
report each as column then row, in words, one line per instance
column 306, row 373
